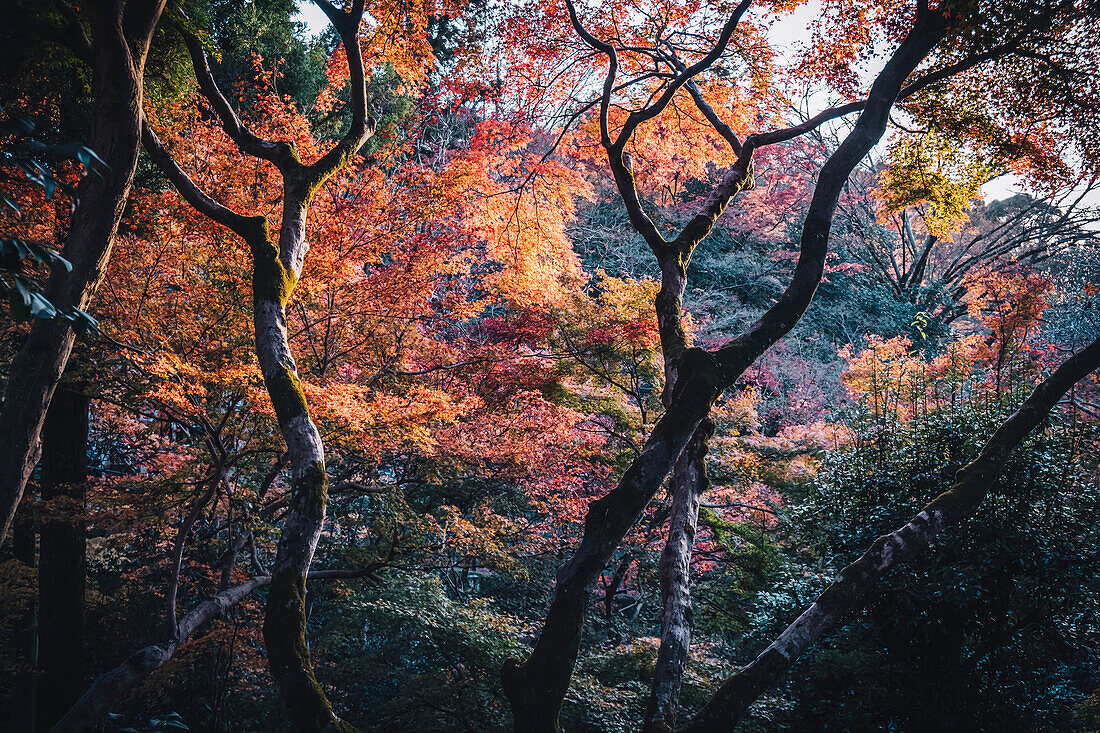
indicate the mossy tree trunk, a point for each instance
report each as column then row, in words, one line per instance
column 277, row 265
column 689, row 484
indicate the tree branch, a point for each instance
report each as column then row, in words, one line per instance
column 247, row 227
column 113, row 685
column 281, row 154
column 972, row 483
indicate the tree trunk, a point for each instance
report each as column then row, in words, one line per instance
column 536, row 688
column 275, row 272
column 62, row 556
column 94, row 704
column 118, row 67
column 689, row 479
column 25, row 687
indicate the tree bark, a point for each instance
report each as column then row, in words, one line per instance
column 62, row 556
column 276, row 267
column 537, row 687
column 689, row 478
column 121, row 35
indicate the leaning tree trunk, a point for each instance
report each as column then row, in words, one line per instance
column 62, row 556
column 116, row 683
column 537, row 687
column 117, row 59
column 722, row 713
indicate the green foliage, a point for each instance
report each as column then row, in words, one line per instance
column 935, row 170
column 751, row 560
column 995, row 626
column 266, row 28
column 23, row 155
column 408, row 657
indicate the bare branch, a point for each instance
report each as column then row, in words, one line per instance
column 362, row 126
column 245, row 226
column 650, row 111
column 281, row 154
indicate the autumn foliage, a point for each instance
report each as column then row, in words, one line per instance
column 481, row 336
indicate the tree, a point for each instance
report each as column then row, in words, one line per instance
column 461, row 393
column 695, row 378
column 276, row 268
column 116, row 51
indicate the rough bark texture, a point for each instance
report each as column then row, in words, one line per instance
column 689, row 479
column 536, row 688
column 277, row 264
column 62, row 556
column 972, row 482
column 120, row 35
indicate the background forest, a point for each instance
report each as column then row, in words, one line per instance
column 451, row 213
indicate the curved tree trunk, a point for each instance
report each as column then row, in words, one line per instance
column 276, row 267
column 275, row 270
column 117, row 59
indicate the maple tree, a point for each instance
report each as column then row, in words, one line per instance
column 395, row 347
column 537, row 686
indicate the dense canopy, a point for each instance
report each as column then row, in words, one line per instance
column 571, row 365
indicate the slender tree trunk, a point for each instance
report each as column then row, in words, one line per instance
column 21, row 711
column 62, row 556
column 613, row 585
column 689, row 478
column 117, row 59
column 180, row 545
column 275, row 272
column 687, row 486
